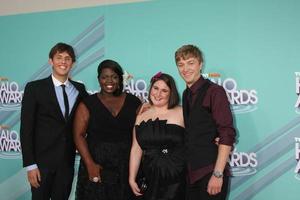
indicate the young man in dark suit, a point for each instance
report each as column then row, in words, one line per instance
column 47, row 112
column 207, row 116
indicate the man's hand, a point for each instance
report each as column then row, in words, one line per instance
column 214, row 185
column 34, row 177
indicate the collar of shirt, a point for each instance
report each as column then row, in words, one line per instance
column 58, row 83
column 197, row 85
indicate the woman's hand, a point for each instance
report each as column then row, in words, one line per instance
column 94, row 171
column 217, row 139
column 135, row 188
column 145, row 107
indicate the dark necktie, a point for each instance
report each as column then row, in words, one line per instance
column 190, row 97
column 188, row 101
column 66, row 101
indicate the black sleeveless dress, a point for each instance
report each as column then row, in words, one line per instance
column 163, row 162
column 109, row 142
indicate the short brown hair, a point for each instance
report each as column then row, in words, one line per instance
column 62, row 47
column 187, row 51
column 169, row 80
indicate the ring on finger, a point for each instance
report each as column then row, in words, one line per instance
column 95, row 179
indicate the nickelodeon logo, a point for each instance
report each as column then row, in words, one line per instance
column 211, row 75
column 3, row 79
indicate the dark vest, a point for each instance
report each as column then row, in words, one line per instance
column 201, row 130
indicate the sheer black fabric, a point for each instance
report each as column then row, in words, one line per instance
column 163, row 162
column 109, row 142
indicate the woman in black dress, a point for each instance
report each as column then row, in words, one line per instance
column 158, row 144
column 102, row 134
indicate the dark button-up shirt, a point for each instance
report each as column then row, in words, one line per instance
column 217, row 103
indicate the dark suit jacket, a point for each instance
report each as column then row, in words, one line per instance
column 46, row 137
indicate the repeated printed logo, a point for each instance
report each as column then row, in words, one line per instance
column 10, row 146
column 10, row 96
column 297, row 157
column 241, row 100
column 297, row 84
column 136, row 87
column 243, row 164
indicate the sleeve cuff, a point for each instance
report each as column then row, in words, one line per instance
column 31, row 167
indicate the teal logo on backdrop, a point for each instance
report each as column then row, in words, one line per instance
column 10, row 146
column 297, row 84
column 297, row 156
column 242, row 163
column 241, row 100
column 10, row 96
column 137, row 87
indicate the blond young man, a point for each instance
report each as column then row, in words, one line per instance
column 207, row 115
